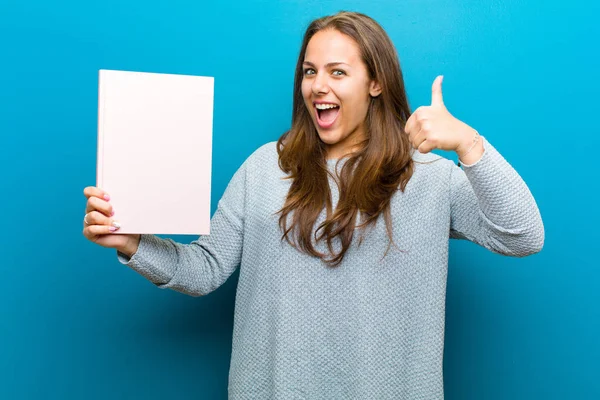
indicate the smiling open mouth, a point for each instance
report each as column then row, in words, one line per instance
column 326, row 114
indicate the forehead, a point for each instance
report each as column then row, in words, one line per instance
column 332, row 46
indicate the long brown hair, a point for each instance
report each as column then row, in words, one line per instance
column 372, row 174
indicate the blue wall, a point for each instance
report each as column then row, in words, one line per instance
column 75, row 324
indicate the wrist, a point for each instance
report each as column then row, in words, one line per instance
column 132, row 245
column 468, row 141
column 472, row 151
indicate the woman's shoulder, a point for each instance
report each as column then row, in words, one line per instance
column 264, row 155
column 430, row 160
column 432, row 172
column 263, row 161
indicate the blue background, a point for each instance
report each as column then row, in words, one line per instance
column 76, row 324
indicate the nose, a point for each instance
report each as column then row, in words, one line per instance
column 319, row 84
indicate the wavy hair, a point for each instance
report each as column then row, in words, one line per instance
column 381, row 165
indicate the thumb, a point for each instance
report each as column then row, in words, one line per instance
column 436, row 92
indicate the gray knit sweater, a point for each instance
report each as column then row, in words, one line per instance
column 371, row 328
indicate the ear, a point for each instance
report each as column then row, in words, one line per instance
column 374, row 89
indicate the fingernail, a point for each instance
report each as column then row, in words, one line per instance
column 106, row 197
column 112, row 213
column 116, row 224
column 112, row 229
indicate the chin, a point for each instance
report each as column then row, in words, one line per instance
column 329, row 138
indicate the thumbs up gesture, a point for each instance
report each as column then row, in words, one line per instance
column 433, row 127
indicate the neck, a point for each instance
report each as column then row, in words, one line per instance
column 347, row 146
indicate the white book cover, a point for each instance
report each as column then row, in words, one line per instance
column 154, row 150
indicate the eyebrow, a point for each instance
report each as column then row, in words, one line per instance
column 328, row 65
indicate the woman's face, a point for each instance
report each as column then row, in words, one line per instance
column 336, row 90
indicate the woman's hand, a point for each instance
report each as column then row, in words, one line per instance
column 98, row 224
column 433, row 127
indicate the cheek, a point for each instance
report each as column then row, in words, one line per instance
column 356, row 104
column 306, row 92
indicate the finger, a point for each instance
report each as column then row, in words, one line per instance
column 103, row 206
column 97, row 192
column 413, row 124
column 436, row 92
column 425, row 147
column 97, row 218
column 97, row 230
column 410, row 125
column 419, row 138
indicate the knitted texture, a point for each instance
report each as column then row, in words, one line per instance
column 371, row 328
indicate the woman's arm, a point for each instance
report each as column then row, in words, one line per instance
column 205, row 264
column 491, row 205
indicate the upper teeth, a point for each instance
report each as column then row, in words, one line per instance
column 325, row 106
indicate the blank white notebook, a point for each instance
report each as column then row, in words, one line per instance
column 154, row 150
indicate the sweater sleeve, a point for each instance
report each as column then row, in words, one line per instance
column 200, row 267
column 492, row 206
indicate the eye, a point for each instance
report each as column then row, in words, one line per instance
column 338, row 72
column 309, row 71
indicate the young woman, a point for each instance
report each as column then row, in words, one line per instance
column 341, row 228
